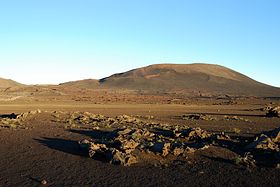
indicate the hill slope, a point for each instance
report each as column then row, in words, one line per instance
column 204, row 78
column 87, row 83
column 7, row 83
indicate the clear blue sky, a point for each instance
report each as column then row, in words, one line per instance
column 52, row 41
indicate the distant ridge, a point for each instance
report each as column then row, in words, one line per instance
column 86, row 83
column 190, row 79
column 199, row 78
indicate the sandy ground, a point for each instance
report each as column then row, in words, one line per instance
column 46, row 150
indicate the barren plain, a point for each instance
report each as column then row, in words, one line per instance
column 74, row 134
column 45, row 144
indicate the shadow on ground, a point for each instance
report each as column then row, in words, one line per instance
column 9, row 116
column 96, row 134
column 223, row 114
column 66, row 146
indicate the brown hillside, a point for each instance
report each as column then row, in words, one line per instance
column 87, row 83
column 7, row 83
column 204, row 78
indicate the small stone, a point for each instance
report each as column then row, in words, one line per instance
column 223, row 136
column 178, row 151
column 44, row 182
column 189, row 150
column 193, row 134
column 165, row 149
column 117, row 157
column 124, row 132
column 128, row 145
column 160, row 147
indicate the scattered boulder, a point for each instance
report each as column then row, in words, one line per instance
column 266, row 148
column 235, row 118
column 194, row 134
column 119, row 149
column 111, row 155
column 273, row 112
column 114, row 156
column 92, row 148
column 274, row 135
column 96, row 149
column 44, row 182
column 10, row 123
column 222, row 136
column 25, row 115
column 127, row 119
column 198, row 117
column 263, row 142
column 16, row 121
column 128, row 145
column 166, row 149
column 178, row 151
column 85, row 118
column 267, row 108
column 161, row 147
column 190, row 150
column 142, row 134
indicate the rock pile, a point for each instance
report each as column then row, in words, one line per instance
column 121, row 146
column 195, row 134
column 98, row 120
column 127, row 119
column 198, row 117
column 16, row 121
column 111, row 154
column 85, row 118
column 10, row 122
column 267, row 147
column 268, row 141
column 263, row 142
column 235, row 118
column 126, row 140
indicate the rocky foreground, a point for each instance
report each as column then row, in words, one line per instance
column 127, row 140
column 125, row 144
column 158, row 145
